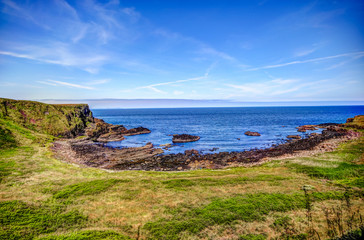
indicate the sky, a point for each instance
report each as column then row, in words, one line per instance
column 233, row 51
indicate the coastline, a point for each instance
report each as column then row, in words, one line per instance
column 87, row 153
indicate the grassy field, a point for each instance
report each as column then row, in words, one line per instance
column 44, row 198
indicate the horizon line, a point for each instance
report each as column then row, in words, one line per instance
column 108, row 103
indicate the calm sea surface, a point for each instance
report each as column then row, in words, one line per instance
column 221, row 127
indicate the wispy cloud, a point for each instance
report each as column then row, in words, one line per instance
column 304, row 52
column 353, row 54
column 98, row 82
column 153, row 86
column 60, row 55
column 14, row 9
column 214, row 52
column 269, row 88
column 67, row 84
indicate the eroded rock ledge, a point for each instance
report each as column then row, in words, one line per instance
column 100, row 131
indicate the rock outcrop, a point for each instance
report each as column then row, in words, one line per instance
column 183, row 138
column 249, row 133
column 304, row 128
column 294, row 136
column 101, row 131
column 356, row 122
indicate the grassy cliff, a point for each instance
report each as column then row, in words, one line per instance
column 57, row 120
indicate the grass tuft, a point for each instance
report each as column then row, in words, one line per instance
column 247, row 208
column 253, row 237
column 7, row 139
column 86, row 235
column 21, row 221
column 85, row 188
column 182, row 184
column 343, row 171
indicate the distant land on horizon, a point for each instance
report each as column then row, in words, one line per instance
column 190, row 103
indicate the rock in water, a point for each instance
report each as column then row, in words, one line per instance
column 249, row 133
column 294, row 136
column 183, row 138
column 304, row 128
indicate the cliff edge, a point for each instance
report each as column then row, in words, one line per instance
column 61, row 120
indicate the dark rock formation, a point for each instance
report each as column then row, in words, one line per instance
column 294, row 136
column 249, row 133
column 325, row 125
column 101, row 131
column 183, row 138
column 349, row 120
column 304, row 128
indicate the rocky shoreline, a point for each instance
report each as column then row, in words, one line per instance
column 86, row 152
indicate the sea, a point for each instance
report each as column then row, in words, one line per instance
column 221, row 129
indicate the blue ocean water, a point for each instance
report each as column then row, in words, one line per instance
column 221, row 127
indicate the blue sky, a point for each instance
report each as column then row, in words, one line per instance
column 256, row 51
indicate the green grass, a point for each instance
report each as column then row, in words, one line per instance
column 353, row 182
column 343, row 171
column 340, row 165
column 247, row 208
column 86, row 235
column 85, row 188
column 21, row 221
column 7, row 139
column 253, row 237
column 6, row 169
column 14, row 128
column 182, row 184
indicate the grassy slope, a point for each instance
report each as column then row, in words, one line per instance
column 58, row 120
column 44, row 198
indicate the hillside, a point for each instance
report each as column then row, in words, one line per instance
column 66, row 120
column 315, row 196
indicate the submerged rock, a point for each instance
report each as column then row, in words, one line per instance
column 249, row 133
column 183, row 138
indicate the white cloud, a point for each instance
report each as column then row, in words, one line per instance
column 98, row 82
column 61, row 83
column 176, row 92
column 59, row 54
column 248, row 88
column 153, row 86
column 304, row 52
column 214, row 52
column 265, row 89
column 20, row 12
column 353, row 54
column 154, row 89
